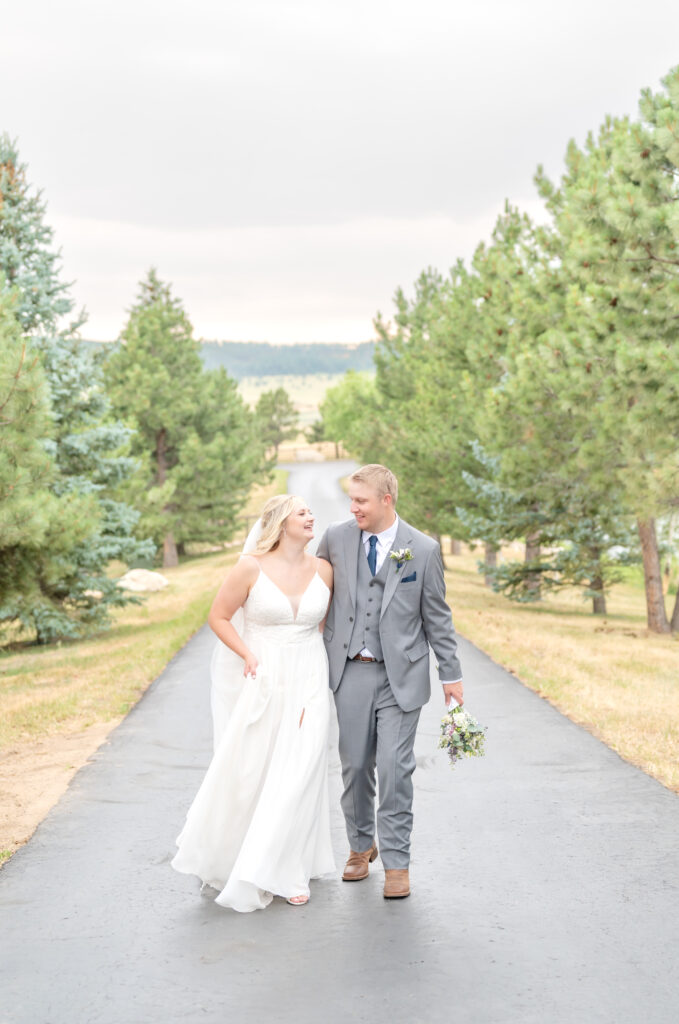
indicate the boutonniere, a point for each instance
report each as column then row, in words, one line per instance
column 401, row 556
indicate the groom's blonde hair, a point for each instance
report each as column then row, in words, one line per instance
column 274, row 514
column 379, row 477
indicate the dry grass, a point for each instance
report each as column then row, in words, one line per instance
column 58, row 703
column 610, row 675
column 71, row 686
column 306, row 391
column 300, row 450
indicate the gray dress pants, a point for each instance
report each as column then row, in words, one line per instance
column 375, row 732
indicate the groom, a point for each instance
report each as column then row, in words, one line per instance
column 388, row 607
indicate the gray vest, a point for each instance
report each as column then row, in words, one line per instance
column 369, row 593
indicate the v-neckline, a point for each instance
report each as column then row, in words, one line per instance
column 287, row 596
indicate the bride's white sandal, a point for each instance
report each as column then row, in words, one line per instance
column 297, row 901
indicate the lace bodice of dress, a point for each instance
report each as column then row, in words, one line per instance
column 270, row 613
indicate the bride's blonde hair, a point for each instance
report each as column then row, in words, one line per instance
column 273, row 517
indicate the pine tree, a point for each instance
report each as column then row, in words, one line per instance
column 220, row 460
column 26, row 506
column 614, row 210
column 350, row 415
column 193, row 435
column 315, row 433
column 467, row 382
column 277, row 418
column 437, row 373
column 491, row 512
column 421, row 367
column 27, row 258
column 501, row 271
column 67, row 590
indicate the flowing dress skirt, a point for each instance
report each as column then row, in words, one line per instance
column 259, row 825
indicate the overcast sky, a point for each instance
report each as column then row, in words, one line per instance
column 287, row 165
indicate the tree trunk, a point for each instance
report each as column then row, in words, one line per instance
column 656, row 615
column 670, row 548
column 674, row 621
column 674, row 624
column 490, row 558
column 532, row 555
column 599, row 598
column 437, row 538
column 455, row 547
column 170, row 556
column 337, row 453
column 161, row 457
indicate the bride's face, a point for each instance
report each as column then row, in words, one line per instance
column 299, row 526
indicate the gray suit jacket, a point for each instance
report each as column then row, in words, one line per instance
column 414, row 613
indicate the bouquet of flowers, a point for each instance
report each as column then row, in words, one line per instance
column 461, row 735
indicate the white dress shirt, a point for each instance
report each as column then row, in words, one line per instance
column 385, row 543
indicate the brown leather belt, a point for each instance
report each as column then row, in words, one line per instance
column 361, row 657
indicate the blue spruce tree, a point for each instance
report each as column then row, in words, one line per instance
column 66, row 591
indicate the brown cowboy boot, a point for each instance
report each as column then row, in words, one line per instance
column 356, row 867
column 396, row 884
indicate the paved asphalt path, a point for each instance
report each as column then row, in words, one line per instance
column 544, row 882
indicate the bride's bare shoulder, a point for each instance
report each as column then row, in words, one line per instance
column 248, row 559
column 324, row 570
column 246, row 568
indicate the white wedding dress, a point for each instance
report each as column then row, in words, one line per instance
column 259, row 825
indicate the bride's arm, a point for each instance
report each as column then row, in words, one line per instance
column 324, row 570
column 231, row 596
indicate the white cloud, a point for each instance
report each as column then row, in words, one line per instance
column 288, row 163
column 321, row 282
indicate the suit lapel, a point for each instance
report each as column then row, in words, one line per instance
column 351, row 548
column 403, row 538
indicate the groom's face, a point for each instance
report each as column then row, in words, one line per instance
column 373, row 512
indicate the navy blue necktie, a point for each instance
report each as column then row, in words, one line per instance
column 372, row 554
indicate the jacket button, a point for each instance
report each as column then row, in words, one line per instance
column 367, row 613
column 345, row 646
column 351, row 618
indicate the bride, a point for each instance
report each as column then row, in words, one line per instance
column 259, row 825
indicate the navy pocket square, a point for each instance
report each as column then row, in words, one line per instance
column 409, row 579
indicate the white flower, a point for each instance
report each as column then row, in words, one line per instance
column 401, row 556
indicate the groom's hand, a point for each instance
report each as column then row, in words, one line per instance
column 453, row 690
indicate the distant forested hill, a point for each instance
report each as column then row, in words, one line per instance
column 259, row 359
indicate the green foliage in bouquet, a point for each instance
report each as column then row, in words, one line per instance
column 461, row 736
